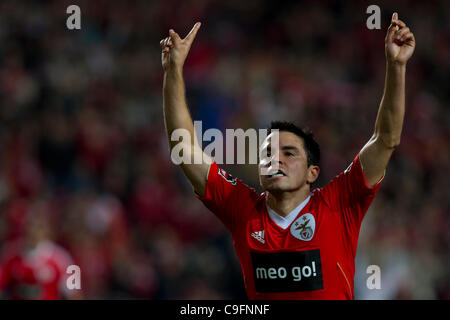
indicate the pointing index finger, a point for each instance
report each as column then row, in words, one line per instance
column 395, row 16
column 394, row 20
column 193, row 32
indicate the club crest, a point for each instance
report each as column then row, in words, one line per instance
column 303, row 228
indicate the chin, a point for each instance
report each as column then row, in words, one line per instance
column 275, row 187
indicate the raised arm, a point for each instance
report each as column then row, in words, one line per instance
column 375, row 155
column 176, row 113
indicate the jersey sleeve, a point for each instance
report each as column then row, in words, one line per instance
column 349, row 194
column 225, row 195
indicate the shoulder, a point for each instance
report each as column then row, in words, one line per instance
column 55, row 253
column 319, row 197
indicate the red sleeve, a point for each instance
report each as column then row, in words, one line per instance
column 349, row 194
column 224, row 195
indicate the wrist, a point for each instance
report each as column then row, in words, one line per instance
column 174, row 71
column 395, row 65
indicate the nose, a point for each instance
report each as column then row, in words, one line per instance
column 275, row 158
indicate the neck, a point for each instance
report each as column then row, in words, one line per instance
column 284, row 202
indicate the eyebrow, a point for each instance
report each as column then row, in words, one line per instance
column 284, row 148
column 289, row 148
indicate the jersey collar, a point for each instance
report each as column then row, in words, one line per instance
column 284, row 222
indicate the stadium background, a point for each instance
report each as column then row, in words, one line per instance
column 84, row 154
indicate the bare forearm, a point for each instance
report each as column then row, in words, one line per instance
column 176, row 113
column 375, row 155
column 389, row 123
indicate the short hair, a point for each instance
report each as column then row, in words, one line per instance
column 311, row 146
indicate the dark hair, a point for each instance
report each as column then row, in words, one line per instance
column 312, row 148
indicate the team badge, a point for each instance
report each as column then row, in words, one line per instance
column 303, row 228
column 228, row 177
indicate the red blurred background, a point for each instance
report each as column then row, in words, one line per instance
column 85, row 173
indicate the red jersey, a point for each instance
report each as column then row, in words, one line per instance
column 37, row 274
column 314, row 256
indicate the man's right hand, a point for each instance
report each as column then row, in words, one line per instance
column 176, row 113
column 175, row 49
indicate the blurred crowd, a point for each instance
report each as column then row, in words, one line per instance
column 85, row 173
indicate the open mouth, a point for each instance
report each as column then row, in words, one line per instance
column 278, row 173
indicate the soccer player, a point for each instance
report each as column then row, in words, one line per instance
column 33, row 266
column 294, row 242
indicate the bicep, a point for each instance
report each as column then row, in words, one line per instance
column 197, row 169
column 374, row 157
column 197, row 175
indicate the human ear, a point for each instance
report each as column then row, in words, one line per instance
column 313, row 174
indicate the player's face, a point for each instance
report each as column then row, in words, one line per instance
column 292, row 171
